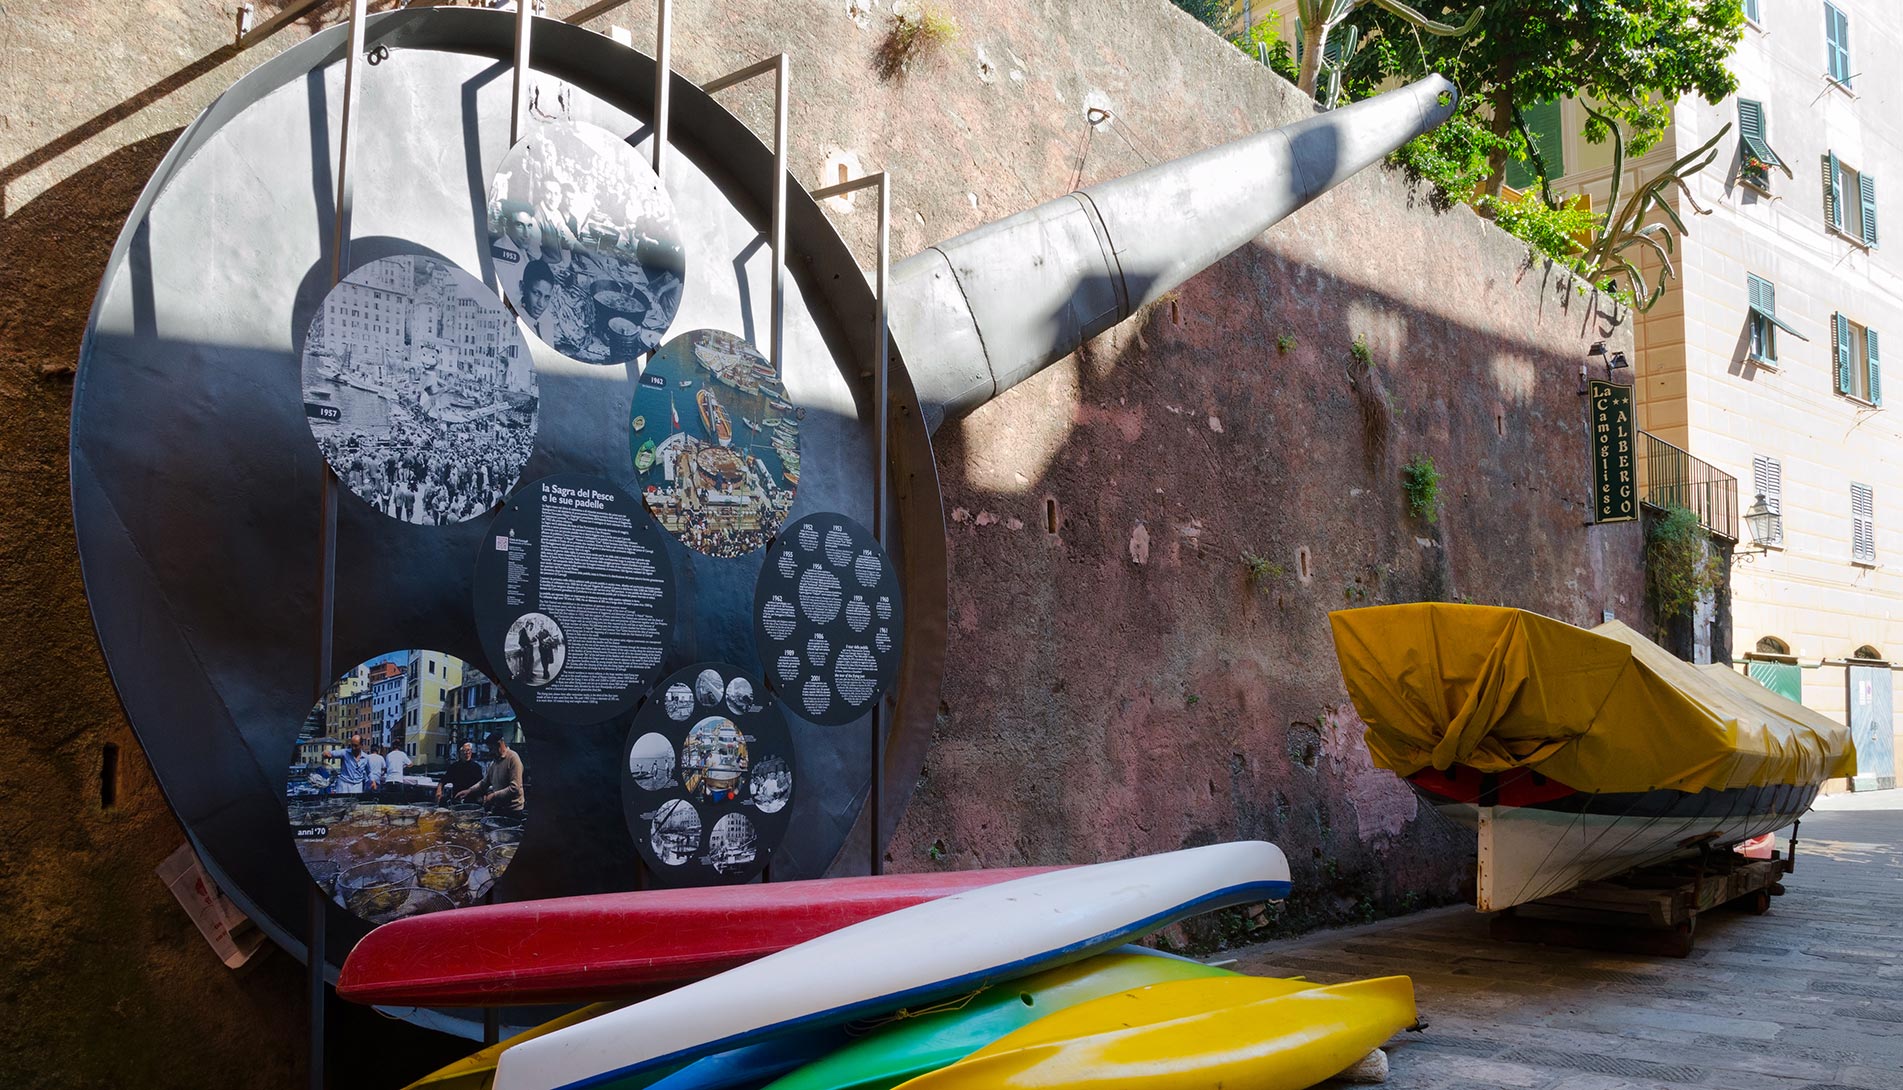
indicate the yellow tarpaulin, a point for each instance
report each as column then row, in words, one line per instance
column 1602, row 710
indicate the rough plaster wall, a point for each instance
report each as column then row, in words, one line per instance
column 1118, row 686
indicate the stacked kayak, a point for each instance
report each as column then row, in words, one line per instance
column 1019, row 983
column 613, row 945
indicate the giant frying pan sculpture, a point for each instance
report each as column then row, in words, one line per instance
column 196, row 480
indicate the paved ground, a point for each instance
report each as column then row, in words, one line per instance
column 1808, row 997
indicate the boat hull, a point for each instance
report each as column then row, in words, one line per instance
column 1539, row 849
column 1241, row 1034
column 614, row 945
column 914, row 956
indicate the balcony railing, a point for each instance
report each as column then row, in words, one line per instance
column 1670, row 477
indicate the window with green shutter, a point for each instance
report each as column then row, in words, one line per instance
column 1836, row 44
column 1751, row 11
column 1840, row 351
column 1872, row 370
column 1754, row 151
column 1543, row 122
column 1867, row 199
column 1767, row 480
column 1782, row 678
column 1761, row 315
column 1833, row 191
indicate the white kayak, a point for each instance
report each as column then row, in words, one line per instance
column 922, row 954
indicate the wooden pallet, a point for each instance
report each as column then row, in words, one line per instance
column 1653, row 910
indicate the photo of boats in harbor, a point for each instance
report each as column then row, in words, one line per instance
column 585, row 242
column 419, row 389
column 406, row 789
column 715, row 443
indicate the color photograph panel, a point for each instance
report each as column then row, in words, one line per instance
column 407, row 787
column 715, row 443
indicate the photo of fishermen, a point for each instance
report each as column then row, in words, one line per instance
column 585, row 242
column 419, row 390
column 407, row 791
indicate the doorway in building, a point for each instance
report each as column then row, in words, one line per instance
column 1872, row 724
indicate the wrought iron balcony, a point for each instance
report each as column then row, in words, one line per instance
column 1670, row 477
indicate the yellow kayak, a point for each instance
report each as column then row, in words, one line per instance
column 1193, row 1034
column 478, row 1070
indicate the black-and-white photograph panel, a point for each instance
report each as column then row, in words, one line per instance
column 419, row 390
column 585, row 242
column 715, row 442
column 534, row 649
column 772, row 785
column 651, row 761
column 674, row 832
column 733, row 844
column 828, row 619
column 710, row 740
column 407, row 787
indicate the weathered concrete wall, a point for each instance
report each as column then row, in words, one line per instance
column 1119, row 685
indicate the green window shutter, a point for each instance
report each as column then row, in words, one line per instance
column 1874, row 370
column 1867, row 191
column 1782, row 678
column 1837, row 44
column 1833, row 181
column 1840, row 348
column 1751, row 11
column 1762, row 295
column 1751, row 132
column 1543, row 122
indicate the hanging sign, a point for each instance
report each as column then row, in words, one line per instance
column 1615, row 487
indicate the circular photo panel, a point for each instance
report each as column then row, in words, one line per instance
column 715, row 443
column 574, row 598
column 706, row 792
column 419, row 390
column 827, row 619
column 585, row 243
column 394, row 819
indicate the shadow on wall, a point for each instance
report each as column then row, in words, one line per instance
column 1146, row 541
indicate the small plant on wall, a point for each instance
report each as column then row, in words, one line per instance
column 917, row 32
column 1680, row 567
column 1420, row 480
column 1262, row 570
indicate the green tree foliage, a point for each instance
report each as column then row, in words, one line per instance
column 1214, row 14
column 1631, row 57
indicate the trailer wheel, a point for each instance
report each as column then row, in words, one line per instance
column 1758, row 902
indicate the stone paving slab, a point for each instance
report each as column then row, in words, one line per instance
column 1807, row 997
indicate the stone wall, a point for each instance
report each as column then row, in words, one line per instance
column 1120, row 680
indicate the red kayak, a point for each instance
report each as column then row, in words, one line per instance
column 613, row 945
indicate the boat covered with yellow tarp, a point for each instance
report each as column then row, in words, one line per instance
column 1576, row 754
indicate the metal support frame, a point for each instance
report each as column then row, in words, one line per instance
column 780, row 65
column 663, row 75
column 275, row 23
column 316, row 941
column 524, row 23
column 882, row 408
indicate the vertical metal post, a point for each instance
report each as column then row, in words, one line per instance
column 663, row 75
column 776, row 333
column 524, row 16
column 315, row 939
column 881, row 407
column 781, row 67
column 882, row 423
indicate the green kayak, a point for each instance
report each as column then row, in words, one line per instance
column 910, row 1044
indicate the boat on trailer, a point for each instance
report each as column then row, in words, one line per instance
column 1576, row 754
